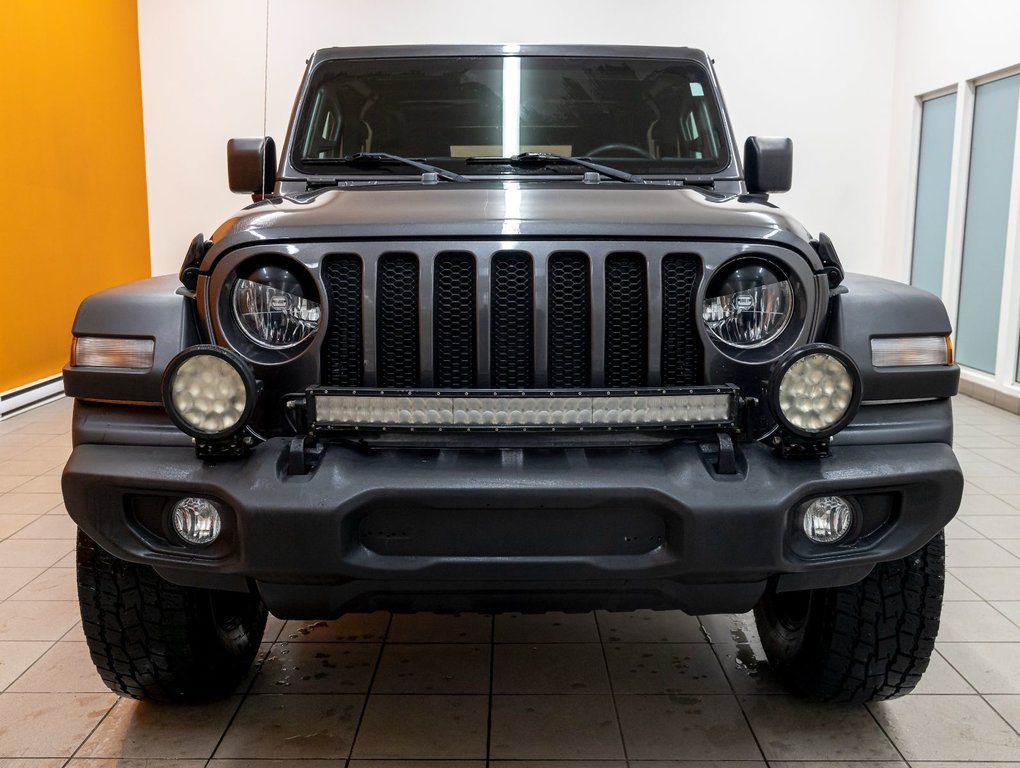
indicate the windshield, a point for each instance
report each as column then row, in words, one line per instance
column 648, row 116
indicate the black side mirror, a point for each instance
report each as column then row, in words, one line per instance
column 251, row 166
column 768, row 164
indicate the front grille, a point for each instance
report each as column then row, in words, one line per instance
column 626, row 321
column 512, row 330
column 453, row 320
column 341, row 351
column 569, row 321
column 397, row 320
column 513, row 319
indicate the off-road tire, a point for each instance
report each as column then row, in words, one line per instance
column 865, row 642
column 151, row 639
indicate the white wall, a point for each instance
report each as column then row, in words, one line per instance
column 938, row 45
column 945, row 46
column 820, row 72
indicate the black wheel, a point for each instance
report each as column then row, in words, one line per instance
column 151, row 639
column 865, row 642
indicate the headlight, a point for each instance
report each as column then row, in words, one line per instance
column 272, row 308
column 748, row 306
column 209, row 392
column 814, row 391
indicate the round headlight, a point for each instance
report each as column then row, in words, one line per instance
column 273, row 308
column 815, row 391
column 208, row 392
column 749, row 305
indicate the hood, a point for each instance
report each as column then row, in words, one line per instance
column 510, row 209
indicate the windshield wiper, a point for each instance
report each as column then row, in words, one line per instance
column 368, row 159
column 548, row 158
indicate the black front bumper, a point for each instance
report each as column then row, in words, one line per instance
column 515, row 529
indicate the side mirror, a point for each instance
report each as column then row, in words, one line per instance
column 251, row 166
column 768, row 164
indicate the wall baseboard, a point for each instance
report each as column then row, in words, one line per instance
column 990, row 395
column 31, row 395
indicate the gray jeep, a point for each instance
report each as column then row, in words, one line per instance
column 511, row 329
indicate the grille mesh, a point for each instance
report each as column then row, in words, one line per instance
column 569, row 321
column 453, row 306
column 341, row 356
column 626, row 321
column 681, row 347
column 573, row 315
column 512, row 335
column 397, row 320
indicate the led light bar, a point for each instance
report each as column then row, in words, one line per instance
column 655, row 409
column 911, row 350
column 104, row 352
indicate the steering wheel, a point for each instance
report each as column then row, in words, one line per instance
column 626, row 147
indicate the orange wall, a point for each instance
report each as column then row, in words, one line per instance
column 72, row 172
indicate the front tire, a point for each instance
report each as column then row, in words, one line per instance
column 863, row 642
column 151, row 639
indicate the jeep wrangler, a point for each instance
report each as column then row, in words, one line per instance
column 511, row 328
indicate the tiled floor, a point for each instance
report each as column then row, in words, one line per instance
column 594, row 689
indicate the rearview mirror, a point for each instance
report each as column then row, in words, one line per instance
column 768, row 164
column 251, row 166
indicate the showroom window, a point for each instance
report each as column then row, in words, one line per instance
column 987, row 220
column 934, row 170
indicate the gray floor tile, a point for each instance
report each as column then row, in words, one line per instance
column 665, row 668
column 977, row 553
column 989, row 667
column 680, row 727
column 138, row 729
column 649, row 627
column 747, row 669
column 317, row 668
column 1009, row 609
column 419, row 727
column 546, row 628
column 972, row 622
column 17, row 656
column 555, row 728
column 64, row 668
column 49, row 724
column 996, row 527
column 352, row 628
column 293, row 726
column 955, row 590
column 947, row 728
column 447, row 668
column 991, row 583
column 940, row 677
column 958, row 529
column 549, row 668
column 1008, row 707
column 788, row 728
column 440, row 628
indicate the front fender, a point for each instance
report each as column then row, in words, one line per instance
column 146, row 309
column 872, row 307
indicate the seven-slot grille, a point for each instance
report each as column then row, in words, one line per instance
column 511, row 319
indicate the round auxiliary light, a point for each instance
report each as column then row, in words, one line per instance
column 196, row 520
column 827, row 519
column 209, row 392
column 815, row 391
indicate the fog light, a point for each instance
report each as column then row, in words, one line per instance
column 197, row 521
column 815, row 391
column 827, row 519
column 209, row 392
